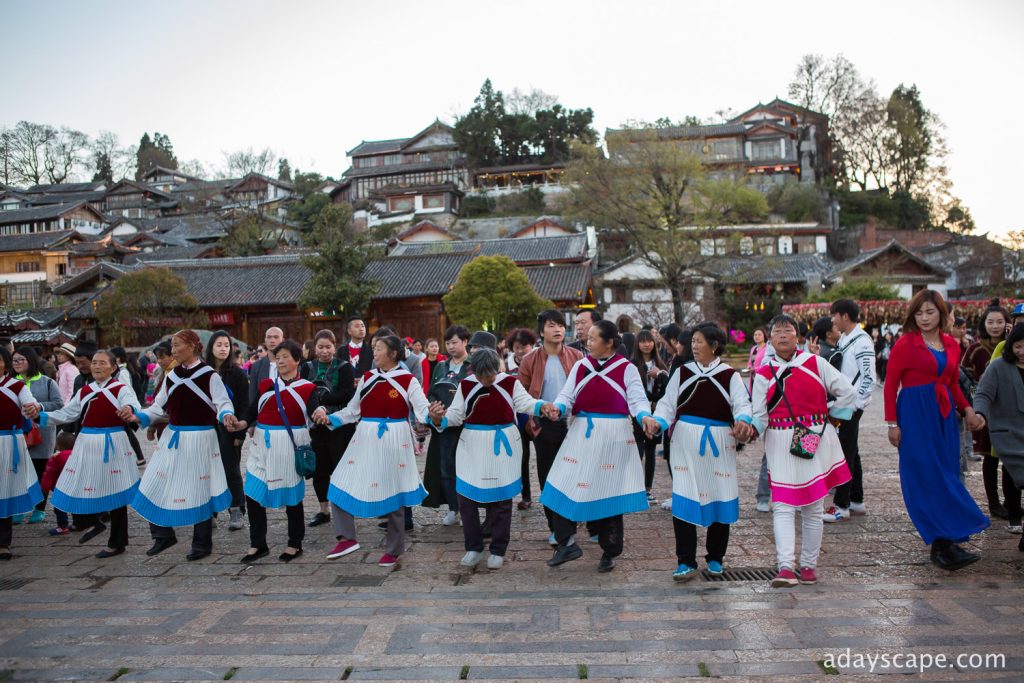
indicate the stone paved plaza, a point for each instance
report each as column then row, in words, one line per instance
column 67, row 616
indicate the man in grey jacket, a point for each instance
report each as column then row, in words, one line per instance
column 858, row 366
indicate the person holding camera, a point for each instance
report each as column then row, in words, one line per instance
column 334, row 380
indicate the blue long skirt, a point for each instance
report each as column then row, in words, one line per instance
column 938, row 503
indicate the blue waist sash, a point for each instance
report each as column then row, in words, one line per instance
column 15, row 451
column 705, row 437
column 173, row 443
column 499, row 436
column 268, row 428
column 605, row 416
column 383, row 422
column 108, row 444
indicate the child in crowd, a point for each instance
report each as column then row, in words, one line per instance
column 54, row 466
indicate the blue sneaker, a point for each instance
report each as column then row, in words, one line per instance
column 715, row 568
column 36, row 517
column 19, row 518
column 684, row 573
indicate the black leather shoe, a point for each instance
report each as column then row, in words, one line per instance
column 92, row 533
column 606, row 565
column 952, row 557
column 5, row 555
column 961, row 557
column 1020, row 545
column 288, row 557
column 197, row 555
column 319, row 518
column 249, row 558
column 104, row 554
column 565, row 554
column 160, row 545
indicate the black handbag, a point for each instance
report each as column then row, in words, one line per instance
column 305, row 458
column 805, row 441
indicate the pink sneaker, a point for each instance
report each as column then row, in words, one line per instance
column 342, row 549
column 785, row 579
column 387, row 560
column 808, row 576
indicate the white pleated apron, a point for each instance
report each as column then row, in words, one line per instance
column 703, row 459
column 377, row 474
column 19, row 487
column 100, row 475
column 270, row 476
column 184, row 483
column 488, row 462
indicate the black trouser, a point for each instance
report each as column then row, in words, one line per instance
column 39, row 465
column 648, row 449
column 990, row 475
column 499, row 514
column 525, row 438
column 6, row 531
column 686, row 542
column 328, row 445
column 1012, row 496
column 449, row 442
column 202, row 534
column 134, row 441
column 258, row 525
column 547, row 443
column 853, row 490
column 231, row 457
column 118, row 528
column 609, row 532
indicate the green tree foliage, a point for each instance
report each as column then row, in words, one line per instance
column 337, row 266
column 531, row 127
column 143, row 306
column 153, row 152
column 306, row 183
column 660, row 198
column 305, row 212
column 796, row 201
column 858, row 290
column 284, row 170
column 104, row 170
column 910, row 139
column 245, row 237
column 493, row 294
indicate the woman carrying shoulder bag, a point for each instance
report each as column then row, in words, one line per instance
column 40, row 442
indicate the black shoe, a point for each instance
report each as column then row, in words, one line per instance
column 319, row 518
column 288, row 557
column 92, row 533
column 104, row 554
column 952, row 557
column 160, row 545
column 382, row 525
column 997, row 510
column 606, row 565
column 565, row 554
column 197, row 555
column 1020, row 545
column 104, row 517
column 5, row 555
column 249, row 558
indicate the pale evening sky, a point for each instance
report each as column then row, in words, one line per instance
column 311, row 79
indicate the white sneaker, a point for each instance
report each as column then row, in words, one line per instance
column 495, row 562
column 552, row 541
column 858, row 509
column 1014, row 528
column 835, row 514
column 763, row 506
column 666, row 504
column 471, row 558
column 236, row 522
column 450, row 518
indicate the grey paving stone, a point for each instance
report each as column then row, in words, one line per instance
column 416, row 673
column 504, row 673
column 280, row 673
column 53, row 674
column 176, row 674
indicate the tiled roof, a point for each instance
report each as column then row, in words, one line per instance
column 786, row 269
column 186, row 226
column 522, row 250
column 37, row 213
column 367, row 147
column 111, row 271
column 66, row 187
column 868, row 256
column 65, row 198
column 680, row 132
column 38, row 317
column 170, row 254
column 248, row 281
column 51, row 335
column 398, row 169
column 404, row 277
column 561, row 282
column 39, row 240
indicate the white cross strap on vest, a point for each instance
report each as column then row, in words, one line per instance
column 105, row 391
column 603, row 374
column 188, row 382
column 6, row 391
column 290, row 390
column 706, row 376
column 501, row 392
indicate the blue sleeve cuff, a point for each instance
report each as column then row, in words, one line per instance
column 536, row 408
column 841, row 413
column 641, row 415
column 334, row 420
column 144, row 419
column 440, row 428
column 43, row 419
column 562, row 410
column 753, row 422
column 220, row 418
column 661, row 423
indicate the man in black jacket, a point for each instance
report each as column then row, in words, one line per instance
column 264, row 368
column 358, row 351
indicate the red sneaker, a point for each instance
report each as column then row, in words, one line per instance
column 387, row 560
column 808, row 576
column 342, row 549
column 785, row 579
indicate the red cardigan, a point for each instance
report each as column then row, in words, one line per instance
column 911, row 364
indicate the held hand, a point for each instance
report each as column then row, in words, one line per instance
column 230, row 422
column 550, row 411
column 127, row 414
column 240, row 425
column 975, row 422
column 31, row 411
column 651, row 427
column 894, row 436
column 151, row 434
column 741, row 431
column 319, row 413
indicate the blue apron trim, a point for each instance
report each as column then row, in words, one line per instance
column 605, row 416
column 705, row 437
column 363, row 508
column 266, row 432
column 258, row 490
column 108, row 444
column 23, row 503
column 15, row 451
column 152, row 512
column 492, row 495
column 91, row 506
column 588, row 511
column 382, row 426
column 173, row 443
column 718, row 511
column 500, row 439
